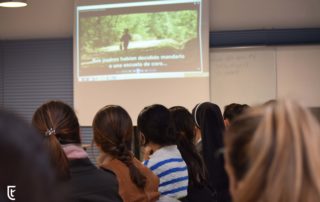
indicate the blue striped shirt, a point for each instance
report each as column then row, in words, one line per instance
column 172, row 171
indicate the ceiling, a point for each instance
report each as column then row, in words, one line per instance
column 54, row 18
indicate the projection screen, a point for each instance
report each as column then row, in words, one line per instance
column 138, row 53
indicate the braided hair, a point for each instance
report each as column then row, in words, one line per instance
column 113, row 131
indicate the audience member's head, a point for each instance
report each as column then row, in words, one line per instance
column 24, row 163
column 272, row 154
column 232, row 111
column 58, row 124
column 113, row 132
column 209, row 119
column 183, row 123
column 185, row 130
column 154, row 122
column 165, row 159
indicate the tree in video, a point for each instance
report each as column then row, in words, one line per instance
column 139, row 34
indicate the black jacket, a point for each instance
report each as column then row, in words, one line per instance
column 88, row 183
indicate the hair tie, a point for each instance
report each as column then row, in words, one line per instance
column 50, row 131
column 195, row 114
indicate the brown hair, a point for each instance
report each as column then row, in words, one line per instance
column 185, row 130
column 58, row 123
column 273, row 151
column 113, row 131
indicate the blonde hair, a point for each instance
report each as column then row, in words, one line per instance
column 273, row 152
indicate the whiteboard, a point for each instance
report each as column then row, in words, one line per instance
column 242, row 75
column 298, row 71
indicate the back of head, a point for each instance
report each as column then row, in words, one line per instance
column 233, row 110
column 183, row 123
column 272, row 154
column 209, row 119
column 185, row 130
column 58, row 123
column 24, row 162
column 113, row 132
column 155, row 123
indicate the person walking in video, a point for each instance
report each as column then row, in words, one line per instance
column 125, row 38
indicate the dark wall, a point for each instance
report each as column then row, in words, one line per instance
column 268, row 37
column 35, row 71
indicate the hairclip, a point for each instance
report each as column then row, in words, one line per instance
column 50, row 131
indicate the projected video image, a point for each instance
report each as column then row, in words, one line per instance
column 144, row 32
column 134, row 45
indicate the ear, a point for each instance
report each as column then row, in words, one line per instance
column 226, row 123
column 142, row 139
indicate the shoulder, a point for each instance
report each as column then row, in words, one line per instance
column 165, row 159
column 87, row 181
column 84, row 170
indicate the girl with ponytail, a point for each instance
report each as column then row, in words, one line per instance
column 185, row 128
column 209, row 121
column 59, row 126
column 113, row 132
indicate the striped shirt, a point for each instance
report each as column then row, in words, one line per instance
column 171, row 169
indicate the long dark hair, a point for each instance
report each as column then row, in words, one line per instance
column 209, row 119
column 58, row 123
column 185, row 130
column 113, row 131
